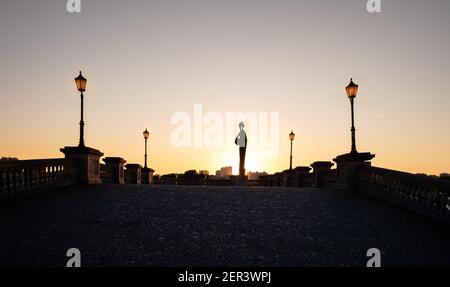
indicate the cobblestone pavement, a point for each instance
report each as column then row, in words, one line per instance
column 130, row 225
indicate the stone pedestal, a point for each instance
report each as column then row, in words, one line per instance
column 169, row 179
column 88, row 163
column 239, row 180
column 147, row 175
column 287, row 178
column 300, row 174
column 346, row 168
column 321, row 169
column 133, row 173
column 277, row 179
column 114, row 170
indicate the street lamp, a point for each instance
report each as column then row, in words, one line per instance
column 146, row 134
column 291, row 138
column 80, row 81
column 352, row 90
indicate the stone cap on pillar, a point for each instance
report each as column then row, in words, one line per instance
column 354, row 157
column 148, row 169
column 114, row 160
column 302, row 169
column 80, row 150
column 322, row 164
column 133, row 166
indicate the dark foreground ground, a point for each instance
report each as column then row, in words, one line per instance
column 130, row 225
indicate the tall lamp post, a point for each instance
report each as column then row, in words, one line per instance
column 80, row 81
column 146, row 134
column 291, row 138
column 352, row 90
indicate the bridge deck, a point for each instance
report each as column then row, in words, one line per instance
column 132, row 225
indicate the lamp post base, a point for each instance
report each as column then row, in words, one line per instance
column 147, row 175
column 114, row 170
column 88, row 162
column 346, row 168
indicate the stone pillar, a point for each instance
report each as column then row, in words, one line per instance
column 347, row 165
column 321, row 169
column 278, row 179
column 147, row 175
column 133, row 173
column 287, row 177
column 169, row 179
column 88, row 163
column 239, row 180
column 300, row 174
column 114, row 169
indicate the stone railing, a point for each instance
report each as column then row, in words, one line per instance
column 214, row 181
column 190, row 179
column 21, row 177
column 422, row 194
column 321, row 177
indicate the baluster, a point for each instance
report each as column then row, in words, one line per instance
column 434, row 199
column 51, row 174
column 25, row 178
column 33, row 177
column 21, row 174
column 45, row 175
column 446, row 203
column 59, row 173
column 2, row 182
column 56, row 175
column 422, row 194
column 15, row 177
column 30, row 177
column 41, row 176
column 7, row 181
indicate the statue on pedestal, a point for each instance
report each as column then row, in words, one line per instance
column 241, row 141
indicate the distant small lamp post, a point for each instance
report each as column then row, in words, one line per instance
column 146, row 135
column 291, row 138
column 80, row 81
column 352, row 90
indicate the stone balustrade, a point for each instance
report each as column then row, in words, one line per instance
column 113, row 170
column 217, row 181
column 190, row 179
column 21, row 177
column 322, row 176
column 429, row 196
column 133, row 173
column 426, row 195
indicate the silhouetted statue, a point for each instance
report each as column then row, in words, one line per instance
column 241, row 141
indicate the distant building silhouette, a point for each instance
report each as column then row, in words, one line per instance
column 255, row 175
column 224, row 172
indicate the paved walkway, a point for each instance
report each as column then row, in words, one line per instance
column 130, row 225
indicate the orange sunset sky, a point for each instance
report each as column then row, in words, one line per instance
column 147, row 60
